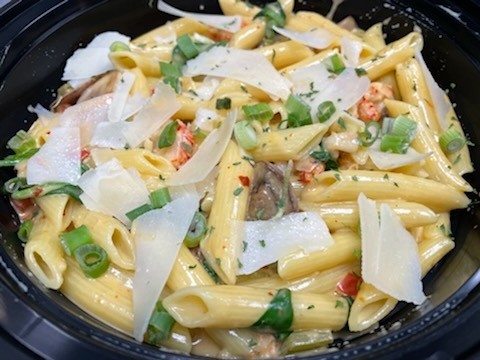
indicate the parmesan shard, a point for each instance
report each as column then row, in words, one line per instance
column 247, row 66
column 316, row 38
column 58, row 160
column 158, row 235
column 120, row 95
column 264, row 242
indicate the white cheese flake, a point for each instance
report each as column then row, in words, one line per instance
column 316, row 38
column 387, row 160
column 350, row 50
column 120, row 96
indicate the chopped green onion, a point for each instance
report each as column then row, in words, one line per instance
column 159, row 326
column 13, row 160
column 174, row 82
column 404, row 126
column 387, row 124
column 245, row 135
column 21, row 142
column 14, row 184
column 119, row 46
column 452, row 141
column 50, row 188
column 298, row 111
column 274, row 12
column 187, row 46
column 279, row 315
column 170, row 69
column 223, row 103
column 368, row 137
column 394, row 143
column 261, row 112
column 93, row 260
column 178, row 57
column 335, row 64
column 168, row 135
column 24, row 230
column 325, row 111
column 72, row 240
column 196, row 231
column 306, row 340
column 142, row 209
column 159, row 198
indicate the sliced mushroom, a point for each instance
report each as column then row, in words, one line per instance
column 267, row 196
column 96, row 86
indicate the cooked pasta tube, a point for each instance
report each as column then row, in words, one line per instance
column 109, row 233
column 437, row 164
column 286, row 53
column 40, row 133
column 370, row 306
column 234, row 7
column 146, row 162
column 44, row 255
column 57, row 209
column 221, row 306
column 460, row 160
column 140, row 85
column 179, row 26
column 373, row 36
column 394, row 53
column 287, row 144
column 345, row 213
column 331, row 186
column 221, row 245
column 146, row 61
column 345, row 248
column 319, row 282
column 249, row 36
column 309, row 61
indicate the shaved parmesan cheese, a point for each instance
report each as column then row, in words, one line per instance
column 47, row 118
column 247, row 66
column 87, row 115
column 120, row 96
column 166, row 34
column 158, row 235
column 386, row 160
column 205, row 119
column 264, row 242
column 222, row 22
column 316, row 38
column 440, row 102
column 351, row 50
column 207, row 89
column 109, row 135
column 390, row 259
column 161, row 106
column 111, row 189
column 208, row 154
column 58, row 159
column 92, row 60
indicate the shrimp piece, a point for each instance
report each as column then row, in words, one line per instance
column 372, row 106
column 308, row 167
column 267, row 347
column 183, row 147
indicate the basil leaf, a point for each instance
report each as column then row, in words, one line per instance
column 279, row 315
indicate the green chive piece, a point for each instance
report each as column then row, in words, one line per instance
column 119, row 46
column 21, row 142
column 335, row 64
column 370, row 134
column 72, row 240
column 159, row 326
column 14, row 185
column 12, row 160
column 168, row 135
column 394, row 143
column 452, row 141
column 223, row 103
column 245, row 135
column 261, row 112
column 187, row 46
column 298, row 111
column 279, row 315
column 274, row 12
column 325, row 111
column 93, row 260
column 142, row 209
column 159, row 198
column 50, row 188
column 196, row 231
column 170, row 69
column 24, row 230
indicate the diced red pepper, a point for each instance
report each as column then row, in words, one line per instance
column 244, row 180
column 349, row 285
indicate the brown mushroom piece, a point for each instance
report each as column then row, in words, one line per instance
column 267, row 196
column 96, row 86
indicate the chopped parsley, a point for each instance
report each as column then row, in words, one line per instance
column 339, row 304
column 238, row 191
column 262, row 243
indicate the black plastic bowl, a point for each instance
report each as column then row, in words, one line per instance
column 36, row 37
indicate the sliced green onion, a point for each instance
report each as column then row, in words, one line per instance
column 196, row 231
column 261, row 112
column 93, row 260
column 298, row 111
column 404, row 126
column 142, row 209
column 72, row 240
column 306, row 340
column 178, row 57
column 274, row 12
column 159, row 326
column 24, row 230
column 394, row 143
column 50, row 188
column 13, row 160
column 245, row 135
column 335, row 64
column 387, row 124
column 170, row 69
column 14, row 184
column 325, row 111
column 119, row 46
column 168, row 135
column 279, row 315
column 21, row 142
column 187, row 46
column 370, row 134
column 174, row 82
column 159, row 198
column 452, row 141
column 223, row 103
